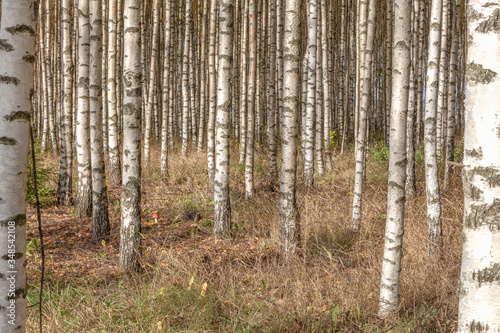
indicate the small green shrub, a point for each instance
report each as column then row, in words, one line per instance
column 380, row 152
column 44, row 179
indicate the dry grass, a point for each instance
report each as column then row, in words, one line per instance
column 332, row 286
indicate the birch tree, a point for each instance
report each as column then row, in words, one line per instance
column 168, row 9
column 391, row 265
column 363, row 115
column 212, row 91
column 289, row 215
column 185, row 79
column 222, row 214
column 431, row 166
column 479, row 288
column 130, row 238
column 65, row 184
column 17, row 41
column 113, row 119
column 249, row 156
column 83, row 205
column 100, row 220
column 308, row 175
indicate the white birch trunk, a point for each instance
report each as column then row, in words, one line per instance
column 222, row 214
column 152, row 76
column 130, row 238
column 391, row 265
column 83, row 205
column 212, row 78
column 100, row 220
column 479, row 305
column 308, row 175
column 167, row 101
column 363, row 115
column 431, row 166
column 65, row 184
column 249, row 156
column 17, row 47
column 113, row 120
column 289, row 215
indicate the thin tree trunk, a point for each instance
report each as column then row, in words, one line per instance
column 308, row 175
column 431, row 166
column 155, row 46
column 393, row 246
column 130, row 237
column 212, row 95
column 83, row 205
column 113, row 133
column 65, row 184
column 249, row 156
column 244, row 86
column 100, row 220
column 289, row 215
column 271, row 124
column 363, row 114
column 167, row 101
column 222, row 214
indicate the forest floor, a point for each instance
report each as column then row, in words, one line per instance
column 192, row 282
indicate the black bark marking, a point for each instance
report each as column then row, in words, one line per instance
column 477, row 73
column 20, row 29
column 491, row 23
column 5, row 46
column 18, row 115
column 7, row 141
column 9, row 79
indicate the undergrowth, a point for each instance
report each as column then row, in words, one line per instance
column 192, row 282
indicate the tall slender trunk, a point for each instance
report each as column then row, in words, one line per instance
column 271, row 124
column 100, row 220
column 431, row 165
column 308, row 175
column 244, row 85
column 113, row 120
column 289, row 215
column 327, row 96
column 222, row 214
column 65, row 184
column 83, row 205
column 202, row 85
column 185, row 79
column 394, row 227
column 363, row 115
column 155, row 46
column 17, row 51
column 252, row 55
column 167, row 72
column 130, row 232
column 212, row 95
column 452, row 92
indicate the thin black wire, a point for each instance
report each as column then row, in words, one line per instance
column 39, row 218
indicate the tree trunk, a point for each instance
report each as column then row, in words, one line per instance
column 479, row 288
column 100, row 220
column 222, row 214
column 363, row 114
column 308, row 175
column 17, row 51
column 212, row 110
column 152, row 76
column 391, row 264
column 130, row 237
column 113, row 133
column 431, row 166
column 271, row 124
column 65, row 184
column 249, row 156
column 168, row 4
column 289, row 215
column 83, row 205
column 244, row 86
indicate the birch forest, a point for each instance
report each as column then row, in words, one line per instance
column 250, row 165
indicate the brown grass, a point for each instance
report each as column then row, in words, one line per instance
column 332, row 286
